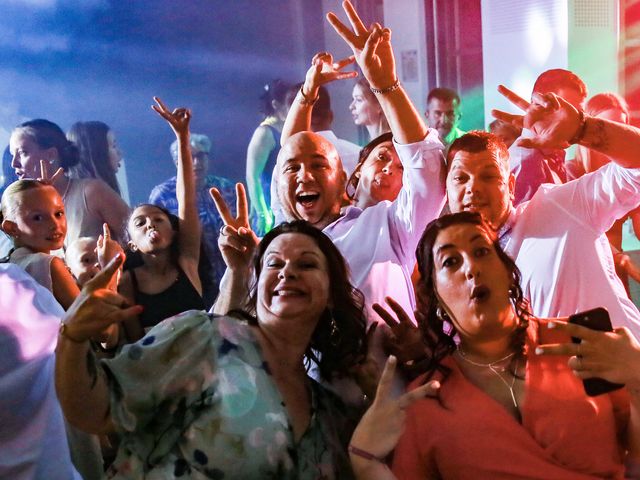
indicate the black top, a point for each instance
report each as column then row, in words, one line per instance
column 179, row 297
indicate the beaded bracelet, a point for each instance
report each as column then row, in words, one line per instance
column 393, row 87
column 306, row 100
column 582, row 128
column 364, row 454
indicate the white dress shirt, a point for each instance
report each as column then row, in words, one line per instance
column 558, row 241
column 379, row 242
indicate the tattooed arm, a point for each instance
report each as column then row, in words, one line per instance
column 82, row 387
column 80, row 381
column 618, row 141
column 555, row 123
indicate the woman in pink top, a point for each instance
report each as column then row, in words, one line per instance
column 490, row 404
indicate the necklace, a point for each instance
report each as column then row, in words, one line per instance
column 492, row 366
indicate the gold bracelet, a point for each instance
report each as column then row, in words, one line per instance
column 393, row 87
column 63, row 332
column 306, row 100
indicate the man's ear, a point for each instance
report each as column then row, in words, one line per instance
column 132, row 246
column 10, row 228
column 512, row 187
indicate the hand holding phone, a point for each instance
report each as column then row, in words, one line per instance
column 595, row 319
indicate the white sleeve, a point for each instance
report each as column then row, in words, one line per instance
column 423, row 192
column 599, row 198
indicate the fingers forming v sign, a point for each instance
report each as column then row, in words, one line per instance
column 553, row 121
column 44, row 173
column 371, row 47
column 236, row 241
column 179, row 118
column 242, row 210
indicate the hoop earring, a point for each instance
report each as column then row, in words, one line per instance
column 442, row 314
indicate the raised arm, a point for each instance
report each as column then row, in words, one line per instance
column 189, row 234
column 80, row 383
column 557, row 124
column 64, row 285
column 237, row 243
column 323, row 70
column 261, row 143
column 372, row 50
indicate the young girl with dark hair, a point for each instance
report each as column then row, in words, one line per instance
column 166, row 282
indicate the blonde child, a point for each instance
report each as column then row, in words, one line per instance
column 32, row 214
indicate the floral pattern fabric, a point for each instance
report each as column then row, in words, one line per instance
column 194, row 399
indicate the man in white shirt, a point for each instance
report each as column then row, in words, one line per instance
column 557, row 238
column 378, row 242
column 33, row 442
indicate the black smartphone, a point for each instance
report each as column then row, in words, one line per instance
column 596, row 319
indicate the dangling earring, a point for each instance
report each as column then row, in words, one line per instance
column 334, row 331
column 441, row 314
column 513, row 292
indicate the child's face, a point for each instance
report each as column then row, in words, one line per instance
column 40, row 222
column 82, row 260
column 150, row 230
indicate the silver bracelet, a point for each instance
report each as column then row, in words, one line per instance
column 393, row 87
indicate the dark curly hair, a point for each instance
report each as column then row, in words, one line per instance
column 336, row 352
column 438, row 333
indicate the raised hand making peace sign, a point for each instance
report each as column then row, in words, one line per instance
column 553, row 120
column 371, row 47
column 236, row 240
column 179, row 118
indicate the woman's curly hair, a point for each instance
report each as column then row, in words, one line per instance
column 438, row 331
column 334, row 350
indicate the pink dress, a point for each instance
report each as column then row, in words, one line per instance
column 564, row 434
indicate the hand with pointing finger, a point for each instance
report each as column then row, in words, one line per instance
column 383, row 423
column 97, row 307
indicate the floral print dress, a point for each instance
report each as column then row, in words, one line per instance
column 194, row 399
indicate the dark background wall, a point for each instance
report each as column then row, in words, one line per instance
column 69, row 60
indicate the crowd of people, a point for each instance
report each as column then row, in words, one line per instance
column 408, row 309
